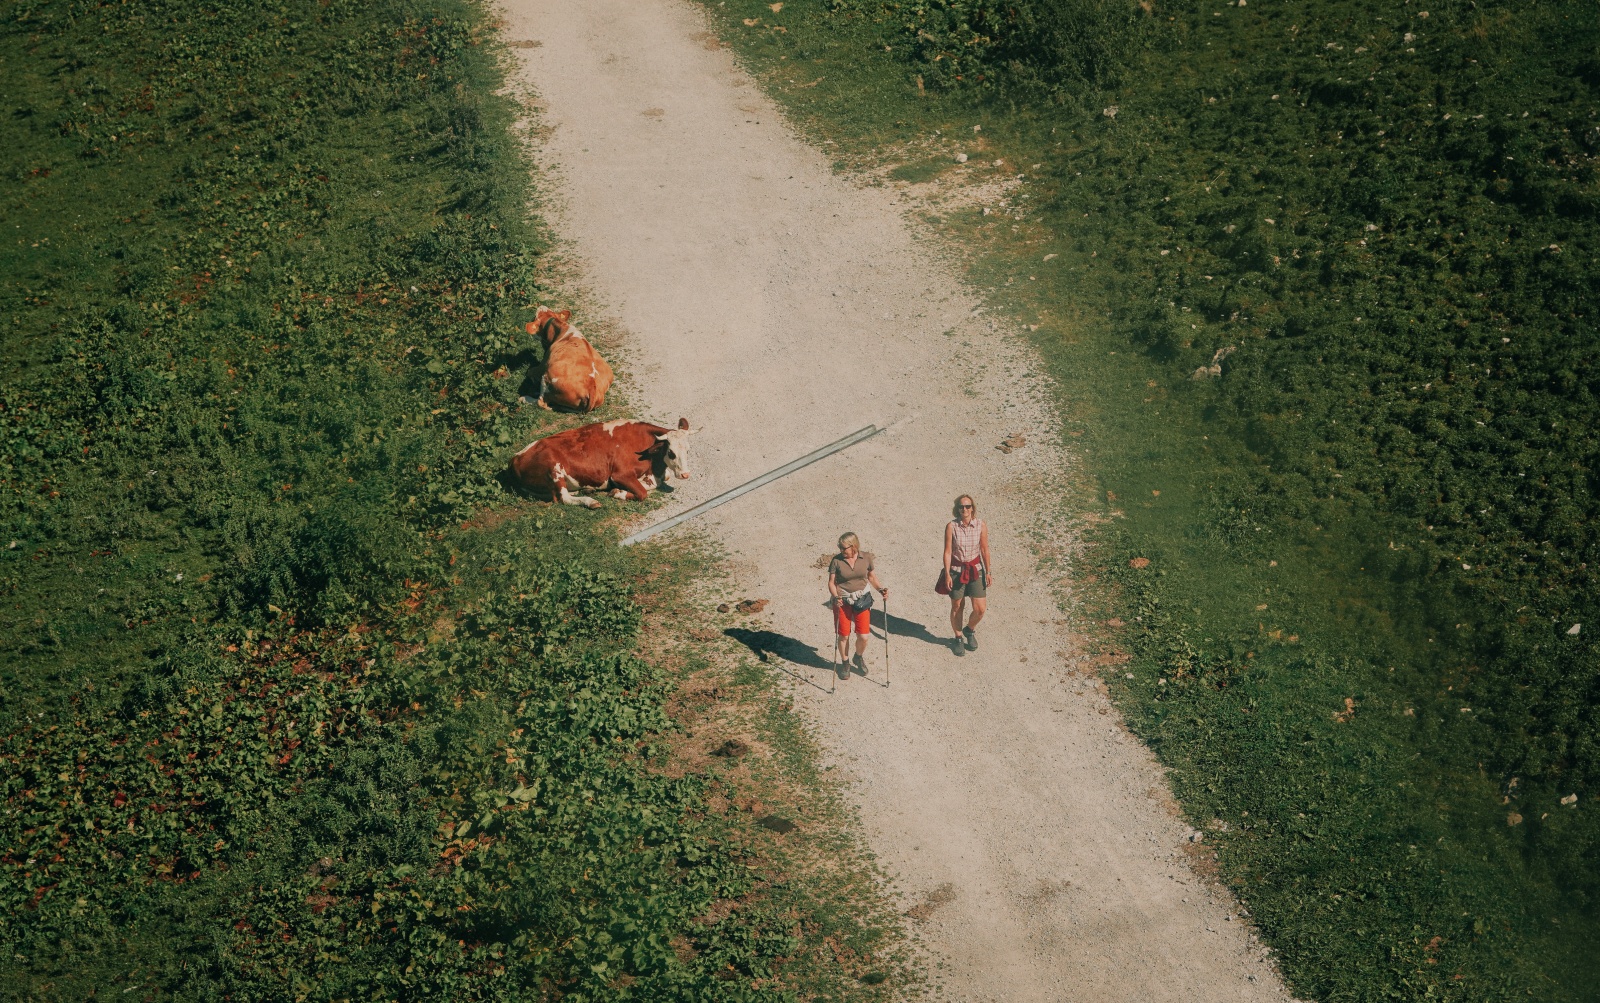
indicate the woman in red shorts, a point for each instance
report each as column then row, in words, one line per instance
column 849, row 574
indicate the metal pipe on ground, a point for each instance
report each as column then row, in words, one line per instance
column 860, row 435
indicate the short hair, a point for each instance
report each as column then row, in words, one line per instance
column 955, row 506
column 849, row 540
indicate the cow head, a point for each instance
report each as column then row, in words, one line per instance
column 550, row 324
column 676, row 448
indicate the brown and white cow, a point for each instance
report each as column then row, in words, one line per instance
column 631, row 458
column 575, row 377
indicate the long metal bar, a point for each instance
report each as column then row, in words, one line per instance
column 860, row 435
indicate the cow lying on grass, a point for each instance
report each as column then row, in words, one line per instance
column 631, row 458
column 575, row 377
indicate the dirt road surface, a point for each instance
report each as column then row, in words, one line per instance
column 779, row 307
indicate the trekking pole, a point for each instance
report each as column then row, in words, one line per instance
column 833, row 674
column 886, row 641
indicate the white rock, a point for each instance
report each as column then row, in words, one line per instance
column 1110, row 112
column 961, row 158
column 1576, row 628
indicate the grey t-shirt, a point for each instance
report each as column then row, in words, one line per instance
column 850, row 579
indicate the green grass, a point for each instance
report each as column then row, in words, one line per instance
column 1379, row 500
column 295, row 701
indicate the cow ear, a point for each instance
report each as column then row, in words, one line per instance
column 531, row 327
column 683, row 423
column 564, row 316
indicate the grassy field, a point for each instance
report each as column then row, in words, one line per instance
column 295, row 701
column 1316, row 281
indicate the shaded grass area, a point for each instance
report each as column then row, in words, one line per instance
column 1365, row 538
column 295, row 701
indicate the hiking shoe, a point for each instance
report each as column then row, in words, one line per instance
column 970, row 639
column 956, row 646
column 860, row 663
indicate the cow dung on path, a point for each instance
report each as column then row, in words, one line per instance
column 1013, row 441
column 750, row 606
column 776, row 823
column 733, row 748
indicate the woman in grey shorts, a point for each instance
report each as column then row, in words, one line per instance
column 966, row 569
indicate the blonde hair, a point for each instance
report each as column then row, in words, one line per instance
column 849, row 540
column 955, row 506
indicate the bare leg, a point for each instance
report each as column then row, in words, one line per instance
column 979, row 606
column 955, row 614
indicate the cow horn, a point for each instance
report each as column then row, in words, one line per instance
column 683, row 423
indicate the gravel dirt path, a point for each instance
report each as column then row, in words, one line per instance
column 779, row 307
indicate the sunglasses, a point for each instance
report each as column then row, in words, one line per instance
column 966, row 506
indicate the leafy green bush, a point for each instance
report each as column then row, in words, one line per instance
column 1388, row 223
column 273, row 723
column 1034, row 45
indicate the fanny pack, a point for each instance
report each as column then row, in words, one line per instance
column 858, row 600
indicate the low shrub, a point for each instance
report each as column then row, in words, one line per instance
column 277, row 719
column 1031, row 46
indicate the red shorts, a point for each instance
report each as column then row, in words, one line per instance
column 844, row 615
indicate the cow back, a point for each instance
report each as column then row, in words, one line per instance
column 592, row 454
column 578, row 377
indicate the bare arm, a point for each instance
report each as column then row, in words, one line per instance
column 872, row 576
column 983, row 548
column 833, row 586
column 949, row 535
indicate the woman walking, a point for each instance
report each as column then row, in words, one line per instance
column 849, row 574
column 966, row 571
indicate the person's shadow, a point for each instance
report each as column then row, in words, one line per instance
column 763, row 643
column 767, row 644
column 901, row 627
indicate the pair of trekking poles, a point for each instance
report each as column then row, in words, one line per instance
column 833, row 680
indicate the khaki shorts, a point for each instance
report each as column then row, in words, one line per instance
column 971, row 590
